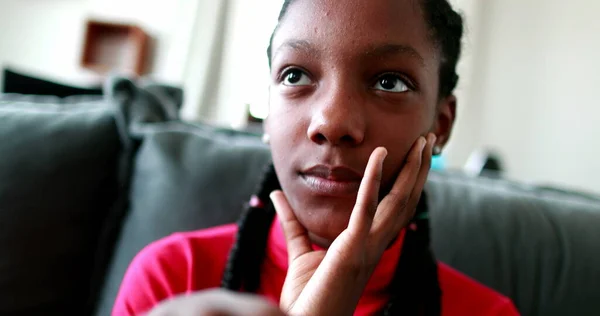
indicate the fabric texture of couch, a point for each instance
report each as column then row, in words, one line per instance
column 84, row 187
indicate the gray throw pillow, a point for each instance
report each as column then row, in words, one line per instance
column 186, row 177
column 58, row 181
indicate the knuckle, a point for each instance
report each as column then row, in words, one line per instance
column 378, row 177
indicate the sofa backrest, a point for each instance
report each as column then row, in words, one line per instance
column 540, row 247
column 58, row 183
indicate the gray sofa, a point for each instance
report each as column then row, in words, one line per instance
column 86, row 183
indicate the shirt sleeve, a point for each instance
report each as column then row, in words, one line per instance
column 158, row 272
column 179, row 264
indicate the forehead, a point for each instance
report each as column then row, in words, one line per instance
column 354, row 26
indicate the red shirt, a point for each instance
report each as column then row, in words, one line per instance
column 194, row 261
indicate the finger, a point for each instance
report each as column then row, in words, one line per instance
column 296, row 235
column 392, row 211
column 215, row 302
column 368, row 194
column 423, row 173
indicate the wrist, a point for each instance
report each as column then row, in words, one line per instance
column 339, row 292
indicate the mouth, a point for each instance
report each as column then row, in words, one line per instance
column 332, row 181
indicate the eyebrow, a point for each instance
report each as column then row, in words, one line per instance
column 381, row 51
column 301, row 45
column 394, row 49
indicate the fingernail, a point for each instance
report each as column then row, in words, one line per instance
column 422, row 143
column 272, row 196
column 385, row 153
column 432, row 140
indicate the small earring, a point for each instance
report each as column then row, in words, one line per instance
column 437, row 150
column 266, row 138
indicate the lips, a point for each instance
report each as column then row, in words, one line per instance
column 335, row 181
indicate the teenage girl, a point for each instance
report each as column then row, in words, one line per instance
column 361, row 97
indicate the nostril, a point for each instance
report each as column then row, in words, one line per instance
column 348, row 139
column 320, row 138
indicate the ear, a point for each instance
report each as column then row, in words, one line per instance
column 444, row 121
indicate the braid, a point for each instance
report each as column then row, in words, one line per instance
column 242, row 271
column 415, row 288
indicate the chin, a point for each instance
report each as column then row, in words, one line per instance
column 325, row 220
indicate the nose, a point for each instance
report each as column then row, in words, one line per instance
column 339, row 120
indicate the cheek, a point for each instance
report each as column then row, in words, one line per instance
column 286, row 132
column 400, row 130
column 399, row 135
column 286, row 124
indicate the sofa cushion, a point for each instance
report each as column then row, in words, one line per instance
column 539, row 246
column 58, row 180
column 186, row 177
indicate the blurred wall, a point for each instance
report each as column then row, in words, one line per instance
column 229, row 69
column 45, row 37
column 537, row 72
column 465, row 138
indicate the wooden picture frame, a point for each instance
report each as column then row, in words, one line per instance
column 115, row 47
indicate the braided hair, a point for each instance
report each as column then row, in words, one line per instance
column 242, row 270
column 415, row 286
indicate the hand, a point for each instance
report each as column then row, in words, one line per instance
column 331, row 282
column 216, row 302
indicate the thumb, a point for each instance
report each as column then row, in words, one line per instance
column 296, row 236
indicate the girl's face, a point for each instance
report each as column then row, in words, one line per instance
column 349, row 76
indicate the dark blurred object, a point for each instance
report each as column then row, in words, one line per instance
column 15, row 82
column 485, row 162
column 115, row 47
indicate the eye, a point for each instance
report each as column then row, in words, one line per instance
column 391, row 83
column 296, row 77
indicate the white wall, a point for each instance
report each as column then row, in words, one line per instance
column 537, row 77
column 245, row 75
column 232, row 50
column 464, row 140
column 46, row 37
column 43, row 36
column 204, row 58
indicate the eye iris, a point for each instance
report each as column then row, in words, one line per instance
column 294, row 77
column 387, row 83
